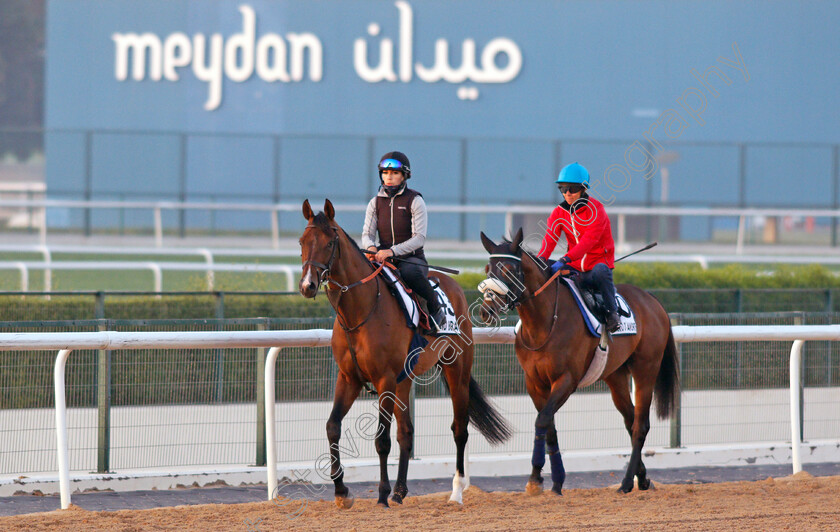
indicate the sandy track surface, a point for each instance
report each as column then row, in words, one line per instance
column 800, row 502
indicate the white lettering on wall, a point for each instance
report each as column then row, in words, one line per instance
column 488, row 72
column 214, row 59
column 275, row 59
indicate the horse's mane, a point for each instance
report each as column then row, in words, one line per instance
column 538, row 260
column 323, row 223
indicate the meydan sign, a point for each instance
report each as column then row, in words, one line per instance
column 275, row 59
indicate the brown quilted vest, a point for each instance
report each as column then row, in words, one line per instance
column 393, row 219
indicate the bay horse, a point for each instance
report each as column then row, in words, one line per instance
column 555, row 350
column 370, row 343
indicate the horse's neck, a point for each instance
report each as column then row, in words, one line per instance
column 537, row 311
column 347, row 269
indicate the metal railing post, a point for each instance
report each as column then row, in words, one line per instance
column 795, row 405
column 220, row 353
column 801, row 385
column 275, row 229
column 676, row 415
column 88, row 180
column 61, row 428
column 260, row 452
column 103, row 395
column 270, row 436
column 158, row 227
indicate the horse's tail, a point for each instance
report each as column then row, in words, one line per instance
column 486, row 418
column 484, row 415
column 668, row 381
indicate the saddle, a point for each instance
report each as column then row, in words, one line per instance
column 414, row 307
column 591, row 305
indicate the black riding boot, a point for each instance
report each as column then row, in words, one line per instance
column 603, row 276
column 414, row 276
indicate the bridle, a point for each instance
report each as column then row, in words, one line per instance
column 324, row 275
column 517, row 299
column 325, row 278
column 521, row 297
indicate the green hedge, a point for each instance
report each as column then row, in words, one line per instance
column 680, row 288
column 666, row 275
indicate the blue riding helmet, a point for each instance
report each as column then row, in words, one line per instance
column 574, row 174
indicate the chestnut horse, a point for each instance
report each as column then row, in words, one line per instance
column 370, row 343
column 555, row 350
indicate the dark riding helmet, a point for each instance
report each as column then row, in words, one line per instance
column 395, row 160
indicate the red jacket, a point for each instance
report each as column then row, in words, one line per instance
column 588, row 234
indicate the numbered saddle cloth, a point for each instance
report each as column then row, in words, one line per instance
column 412, row 309
column 628, row 319
column 450, row 326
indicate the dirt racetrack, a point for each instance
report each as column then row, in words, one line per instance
column 800, row 502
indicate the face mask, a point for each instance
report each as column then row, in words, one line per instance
column 392, row 190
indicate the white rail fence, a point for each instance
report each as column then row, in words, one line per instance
column 65, row 343
column 209, row 266
column 157, row 269
column 273, row 210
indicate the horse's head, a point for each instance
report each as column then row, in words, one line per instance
column 505, row 283
column 318, row 248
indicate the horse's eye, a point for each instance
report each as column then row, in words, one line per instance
column 300, row 243
column 330, row 245
column 487, row 269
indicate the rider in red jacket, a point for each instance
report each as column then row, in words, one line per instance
column 590, row 248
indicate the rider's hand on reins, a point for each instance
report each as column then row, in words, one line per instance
column 383, row 254
column 380, row 255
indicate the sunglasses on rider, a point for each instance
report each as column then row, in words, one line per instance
column 574, row 189
column 391, row 163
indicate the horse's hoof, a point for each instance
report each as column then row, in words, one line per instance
column 397, row 498
column 457, row 498
column 626, row 487
column 383, row 504
column 533, row 488
column 646, row 484
column 345, row 502
column 557, row 490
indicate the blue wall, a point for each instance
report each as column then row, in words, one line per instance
column 595, row 78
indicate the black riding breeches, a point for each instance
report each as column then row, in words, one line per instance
column 414, row 276
column 600, row 279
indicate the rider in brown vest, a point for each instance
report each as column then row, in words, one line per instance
column 398, row 215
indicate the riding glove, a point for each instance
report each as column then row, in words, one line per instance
column 558, row 265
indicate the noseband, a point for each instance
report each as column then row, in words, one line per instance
column 515, row 300
column 519, row 299
column 324, row 275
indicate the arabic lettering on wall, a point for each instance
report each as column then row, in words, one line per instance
column 277, row 59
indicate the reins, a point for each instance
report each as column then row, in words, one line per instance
column 325, row 277
column 553, row 320
column 534, row 295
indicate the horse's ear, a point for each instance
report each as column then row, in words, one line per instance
column 307, row 210
column 488, row 244
column 517, row 240
column 328, row 209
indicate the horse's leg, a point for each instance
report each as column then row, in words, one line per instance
column 405, row 437
column 459, row 391
column 539, row 396
column 619, row 383
column 383, row 438
column 346, row 392
column 558, row 472
column 561, row 389
column 641, row 426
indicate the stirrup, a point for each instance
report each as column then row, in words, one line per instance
column 437, row 319
column 612, row 322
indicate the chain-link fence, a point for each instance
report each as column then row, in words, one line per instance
column 174, row 408
column 66, row 306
